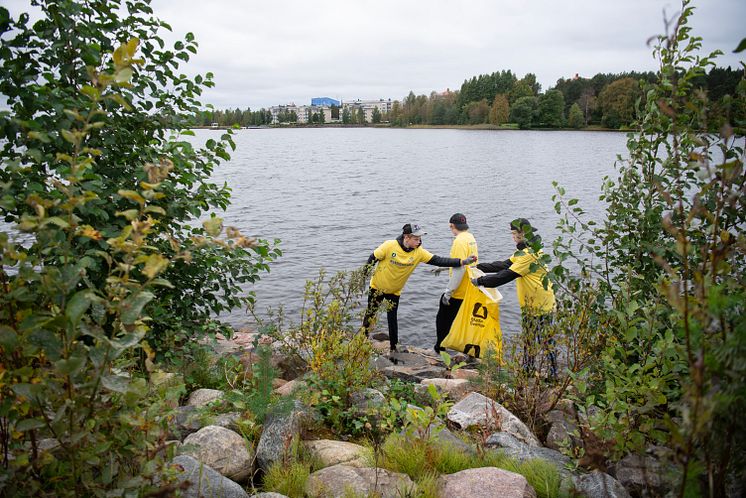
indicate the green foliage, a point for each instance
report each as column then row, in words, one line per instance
column 500, row 110
column 451, row 367
column 328, row 341
column 49, row 75
column 421, row 422
column 617, row 102
column 552, row 109
column 665, row 273
column 288, row 479
column 575, row 118
column 62, row 334
column 524, row 112
column 423, row 460
column 103, row 281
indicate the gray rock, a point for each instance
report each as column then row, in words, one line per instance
column 277, row 436
column 562, row 431
column 367, row 399
column 440, row 435
column 329, row 453
column 407, row 356
column 186, row 421
column 412, row 374
column 289, row 388
column 455, row 388
column 443, row 436
column 380, row 336
column 205, row 481
column 485, row 482
column 599, row 485
column 379, row 362
column 268, row 495
column 201, row 397
column 521, row 451
column 476, row 409
column 641, row 475
column 221, row 449
column 341, row 480
column 228, row 420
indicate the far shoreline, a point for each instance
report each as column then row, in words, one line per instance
column 478, row 127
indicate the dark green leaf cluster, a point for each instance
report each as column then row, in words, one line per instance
column 663, row 277
column 105, row 268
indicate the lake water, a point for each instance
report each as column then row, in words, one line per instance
column 333, row 195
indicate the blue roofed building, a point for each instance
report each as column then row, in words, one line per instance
column 324, row 101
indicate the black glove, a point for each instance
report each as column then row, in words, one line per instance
column 475, row 282
column 468, row 261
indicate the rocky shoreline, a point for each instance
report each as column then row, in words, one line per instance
column 215, row 460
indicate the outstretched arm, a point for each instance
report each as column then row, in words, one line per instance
column 496, row 279
column 495, row 266
column 452, row 262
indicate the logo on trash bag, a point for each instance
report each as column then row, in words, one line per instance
column 479, row 311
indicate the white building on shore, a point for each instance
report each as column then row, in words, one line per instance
column 304, row 113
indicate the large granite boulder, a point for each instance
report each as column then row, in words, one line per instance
column 202, row 397
column 485, row 482
column 477, row 409
column 597, row 484
column 328, row 453
column 204, row 481
column 221, row 449
column 339, row 481
column 277, row 435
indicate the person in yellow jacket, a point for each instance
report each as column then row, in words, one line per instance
column 464, row 246
column 537, row 303
column 396, row 260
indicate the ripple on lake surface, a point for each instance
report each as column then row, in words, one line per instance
column 333, row 195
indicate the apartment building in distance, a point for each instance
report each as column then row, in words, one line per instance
column 304, row 113
column 368, row 106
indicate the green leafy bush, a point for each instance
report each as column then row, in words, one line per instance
column 666, row 270
column 49, row 74
column 102, row 274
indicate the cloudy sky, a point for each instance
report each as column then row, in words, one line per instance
column 269, row 52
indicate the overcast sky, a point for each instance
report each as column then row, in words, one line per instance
column 271, row 52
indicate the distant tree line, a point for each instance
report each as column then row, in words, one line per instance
column 236, row 116
column 605, row 100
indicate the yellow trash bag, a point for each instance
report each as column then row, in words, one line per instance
column 476, row 327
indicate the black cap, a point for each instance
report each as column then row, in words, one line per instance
column 521, row 225
column 459, row 221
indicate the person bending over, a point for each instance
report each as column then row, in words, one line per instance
column 395, row 261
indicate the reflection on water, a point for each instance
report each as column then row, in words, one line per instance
column 333, row 195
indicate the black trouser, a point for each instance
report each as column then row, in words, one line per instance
column 537, row 333
column 375, row 299
column 444, row 319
